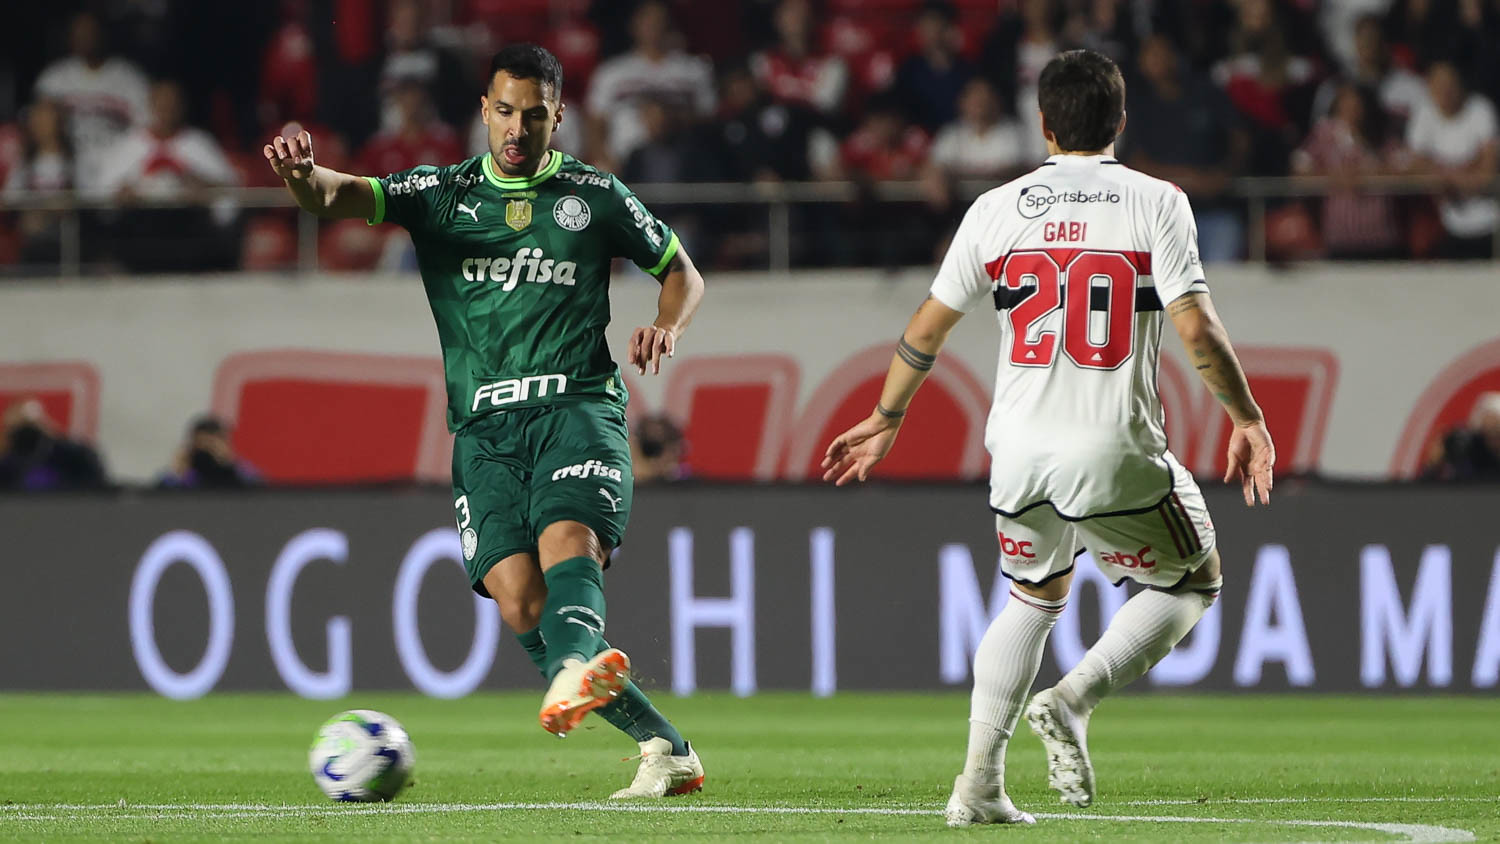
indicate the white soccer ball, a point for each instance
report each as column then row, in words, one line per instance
column 361, row 756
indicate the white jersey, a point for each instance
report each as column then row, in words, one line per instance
column 1079, row 258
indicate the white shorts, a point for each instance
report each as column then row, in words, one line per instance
column 1159, row 546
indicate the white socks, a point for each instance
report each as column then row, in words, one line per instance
column 1004, row 667
column 1141, row 633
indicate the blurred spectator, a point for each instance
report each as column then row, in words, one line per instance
column 206, row 460
column 1454, row 137
column 929, row 81
column 1346, row 147
column 1401, row 92
column 667, row 153
column 763, row 140
column 1340, row 22
column 793, row 71
column 1270, row 86
column 103, row 96
column 1471, row 453
column 289, row 70
column 1018, row 48
column 655, row 68
column 884, row 145
column 418, row 136
column 656, row 450
column 411, row 54
column 1102, row 25
column 167, row 161
column 46, row 165
column 1181, row 128
column 985, row 142
column 35, row 456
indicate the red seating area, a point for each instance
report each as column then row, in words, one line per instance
column 331, row 417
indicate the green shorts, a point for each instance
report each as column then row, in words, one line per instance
column 516, row 472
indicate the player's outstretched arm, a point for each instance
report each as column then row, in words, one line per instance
column 319, row 190
column 1252, row 456
column 681, row 291
column 855, row 452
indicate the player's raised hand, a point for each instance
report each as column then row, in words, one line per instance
column 855, row 452
column 1252, row 457
column 648, row 345
column 291, row 158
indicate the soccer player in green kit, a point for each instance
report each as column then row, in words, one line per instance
column 514, row 249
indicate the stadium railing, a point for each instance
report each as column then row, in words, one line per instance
column 1255, row 195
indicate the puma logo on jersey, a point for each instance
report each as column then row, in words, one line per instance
column 526, row 265
column 614, row 502
column 587, row 469
column 472, row 212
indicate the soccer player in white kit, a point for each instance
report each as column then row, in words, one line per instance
column 1080, row 258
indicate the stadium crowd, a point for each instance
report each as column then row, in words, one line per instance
column 127, row 101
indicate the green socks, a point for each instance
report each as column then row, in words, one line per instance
column 573, row 617
column 631, row 714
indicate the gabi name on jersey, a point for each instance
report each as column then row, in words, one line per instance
column 526, row 265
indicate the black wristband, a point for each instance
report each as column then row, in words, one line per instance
column 889, row 414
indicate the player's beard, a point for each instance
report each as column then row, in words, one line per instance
column 527, row 166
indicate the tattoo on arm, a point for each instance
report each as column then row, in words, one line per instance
column 1182, row 305
column 672, row 266
column 914, row 357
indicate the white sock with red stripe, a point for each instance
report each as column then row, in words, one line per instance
column 1004, row 666
column 1141, row 633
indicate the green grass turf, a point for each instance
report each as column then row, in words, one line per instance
column 1437, row 758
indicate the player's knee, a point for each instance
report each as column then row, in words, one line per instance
column 565, row 540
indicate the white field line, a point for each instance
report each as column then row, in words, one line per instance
column 896, row 809
column 1230, row 801
column 1424, row 833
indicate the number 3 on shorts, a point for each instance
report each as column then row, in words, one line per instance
column 461, row 504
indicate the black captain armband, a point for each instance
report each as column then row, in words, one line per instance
column 914, row 357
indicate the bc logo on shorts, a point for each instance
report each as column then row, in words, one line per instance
column 470, row 541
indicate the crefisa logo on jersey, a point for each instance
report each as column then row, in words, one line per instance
column 1035, row 200
column 572, row 213
column 528, row 264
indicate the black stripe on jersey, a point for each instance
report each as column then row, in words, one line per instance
column 1145, row 298
column 1187, row 519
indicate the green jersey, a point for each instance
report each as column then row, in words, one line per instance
column 517, row 274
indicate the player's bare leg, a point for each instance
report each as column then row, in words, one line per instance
column 1005, row 664
column 1143, row 632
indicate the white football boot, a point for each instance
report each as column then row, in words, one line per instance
column 976, row 803
column 1064, row 736
column 661, row 774
column 581, row 687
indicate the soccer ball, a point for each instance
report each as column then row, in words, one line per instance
column 361, row 756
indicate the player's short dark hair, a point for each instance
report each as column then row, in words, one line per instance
column 528, row 61
column 1082, row 97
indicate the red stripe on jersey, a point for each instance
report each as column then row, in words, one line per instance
column 1166, row 519
column 1197, row 542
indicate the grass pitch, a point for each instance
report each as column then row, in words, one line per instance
column 780, row 767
